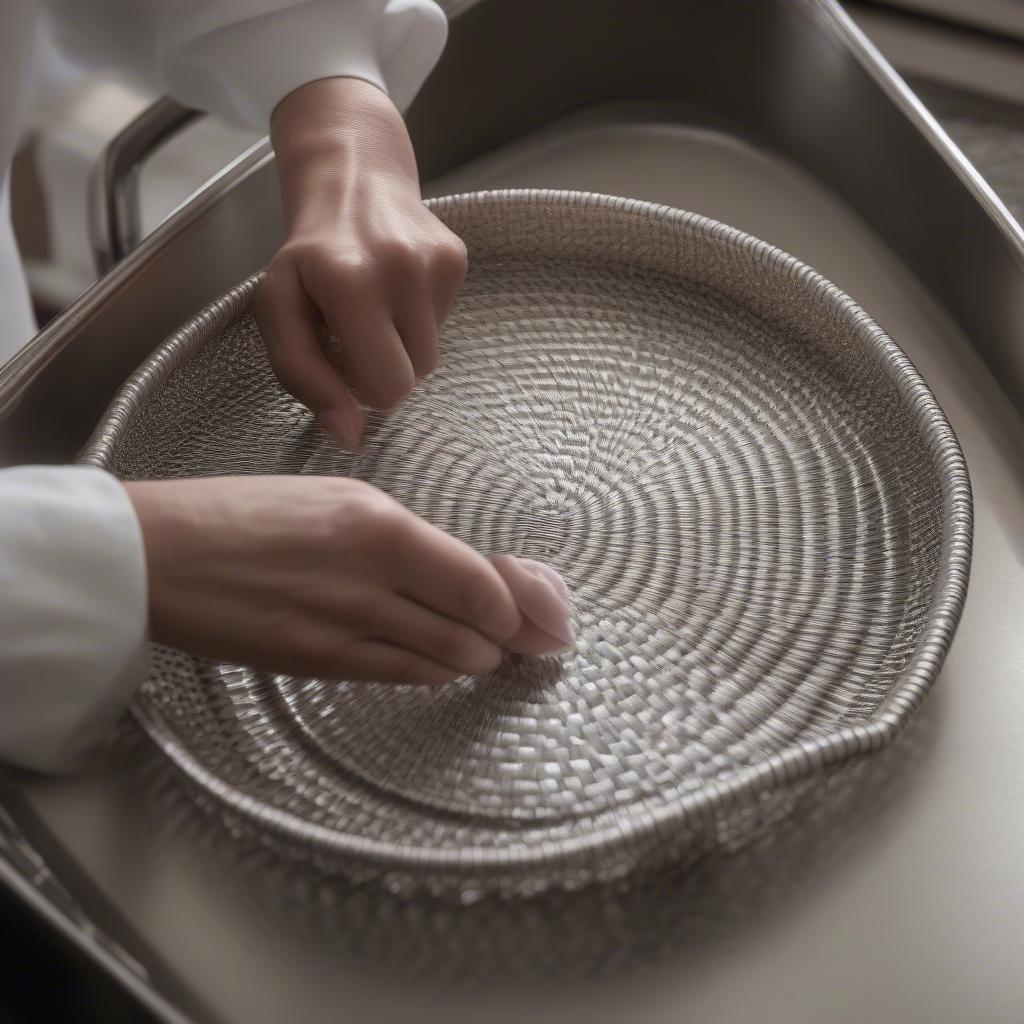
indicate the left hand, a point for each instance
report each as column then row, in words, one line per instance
column 363, row 259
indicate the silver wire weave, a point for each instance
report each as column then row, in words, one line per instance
column 762, row 513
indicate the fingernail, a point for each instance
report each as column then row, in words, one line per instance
column 341, row 426
column 549, row 574
column 567, row 635
column 567, row 645
column 563, row 629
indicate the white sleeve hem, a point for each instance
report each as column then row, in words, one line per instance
column 243, row 69
column 73, row 612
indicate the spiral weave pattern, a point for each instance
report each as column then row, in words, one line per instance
column 762, row 515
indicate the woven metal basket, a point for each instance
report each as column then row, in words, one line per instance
column 762, row 513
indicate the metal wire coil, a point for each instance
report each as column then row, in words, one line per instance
column 762, row 513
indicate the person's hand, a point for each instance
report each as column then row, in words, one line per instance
column 318, row 576
column 363, row 261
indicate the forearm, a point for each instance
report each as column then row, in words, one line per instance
column 336, row 138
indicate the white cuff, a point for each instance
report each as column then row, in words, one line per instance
column 242, row 69
column 73, row 612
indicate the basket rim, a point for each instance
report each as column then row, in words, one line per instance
column 694, row 809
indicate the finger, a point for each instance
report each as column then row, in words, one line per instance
column 531, row 639
column 449, row 577
column 379, row 662
column 372, row 351
column 288, row 322
column 450, row 266
column 444, row 303
column 392, row 619
column 417, row 326
column 541, row 594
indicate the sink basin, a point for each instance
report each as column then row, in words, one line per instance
column 780, row 119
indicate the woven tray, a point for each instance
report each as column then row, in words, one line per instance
column 762, row 513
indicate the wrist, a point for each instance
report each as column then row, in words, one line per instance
column 153, row 509
column 337, row 132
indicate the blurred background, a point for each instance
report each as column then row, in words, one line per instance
column 73, row 116
column 953, row 49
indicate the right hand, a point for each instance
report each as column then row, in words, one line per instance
column 318, row 576
column 363, row 260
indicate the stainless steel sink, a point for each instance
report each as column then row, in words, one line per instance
column 777, row 117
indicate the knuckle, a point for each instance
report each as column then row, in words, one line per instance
column 360, row 490
column 288, row 263
column 355, row 271
column 378, row 520
column 403, row 257
column 337, row 508
column 450, row 257
column 293, row 252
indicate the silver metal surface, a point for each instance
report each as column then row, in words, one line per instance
column 24, row 869
column 922, row 892
column 50, row 893
column 115, row 211
column 999, row 16
column 762, row 514
column 998, row 152
column 988, row 65
column 812, row 88
column 872, row 875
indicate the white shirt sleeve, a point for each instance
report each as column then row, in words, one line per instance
column 239, row 58
column 73, row 610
